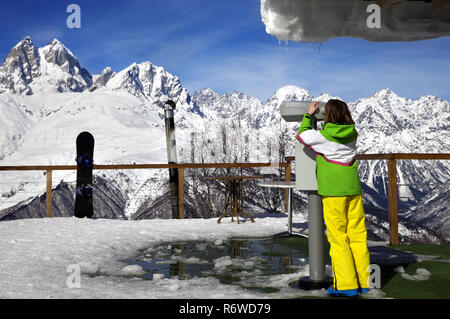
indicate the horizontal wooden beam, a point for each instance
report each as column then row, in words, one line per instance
column 421, row 156
column 141, row 166
column 396, row 156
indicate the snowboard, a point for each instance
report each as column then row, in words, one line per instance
column 85, row 153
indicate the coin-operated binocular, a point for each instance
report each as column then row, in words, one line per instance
column 294, row 111
column 305, row 174
column 305, row 158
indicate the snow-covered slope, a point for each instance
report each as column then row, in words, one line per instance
column 432, row 211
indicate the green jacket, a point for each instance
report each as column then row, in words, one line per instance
column 335, row 148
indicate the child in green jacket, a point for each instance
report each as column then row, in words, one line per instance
column 338, row 184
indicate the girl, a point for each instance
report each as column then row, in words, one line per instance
column 338, row 184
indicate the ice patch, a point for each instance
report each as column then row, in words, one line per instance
column 200, row 247
column 133, row 270
column 190, row 260
column 222, row 262
column 158, row 276
column 88, row 268
column 399, row 269
column 172, row 287
column 374, row 294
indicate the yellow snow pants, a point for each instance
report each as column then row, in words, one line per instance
column 346, row 232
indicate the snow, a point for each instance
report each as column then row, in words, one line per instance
column 133, row 270
column 40, row 256
column 318, row 21
column 421, row 274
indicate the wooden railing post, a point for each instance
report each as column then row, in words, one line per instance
column 288, row 179
column 393, row 201
column 181, row 193
column 48, row 202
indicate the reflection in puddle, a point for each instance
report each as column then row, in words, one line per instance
column 230, row 261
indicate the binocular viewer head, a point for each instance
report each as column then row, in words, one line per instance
column 294, row 111
column 305, row 159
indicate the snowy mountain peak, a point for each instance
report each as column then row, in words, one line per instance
column 128, row 80
column 27, row 69
column 56, row 45
column 107, row 70
column 54, row 68
column 288, row 93
column 25, row 42
column 385, row 94
column 102, row 79
column 145, row 80
column 61, row 68
column 205, row 97
column 325, row 97
column 57, row 53
column 293, row 93
column 20, row 67
column 23, row 54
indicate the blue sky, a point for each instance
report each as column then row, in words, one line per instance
column 223, row 45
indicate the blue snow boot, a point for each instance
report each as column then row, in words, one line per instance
column 343, row 293
column 363, row 290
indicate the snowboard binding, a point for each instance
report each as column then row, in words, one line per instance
column 85, row 191
column 85, row 161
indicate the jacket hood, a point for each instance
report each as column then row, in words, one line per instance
column 342, row 134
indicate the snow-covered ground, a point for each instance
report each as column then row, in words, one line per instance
column 84, row 258
column 41, row 257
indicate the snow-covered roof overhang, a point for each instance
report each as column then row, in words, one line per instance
column 382, row 20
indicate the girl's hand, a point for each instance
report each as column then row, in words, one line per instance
column 313, row 107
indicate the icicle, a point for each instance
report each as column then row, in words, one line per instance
column 318, row 46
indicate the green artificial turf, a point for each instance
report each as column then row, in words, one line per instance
column 392, row 282
column 436, row 286
column 436, row 250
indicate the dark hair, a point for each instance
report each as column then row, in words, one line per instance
column 337, row 112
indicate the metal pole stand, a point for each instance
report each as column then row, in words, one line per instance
column 316, row 247
column 172, row 156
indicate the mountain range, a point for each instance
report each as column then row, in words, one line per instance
column 47, row 98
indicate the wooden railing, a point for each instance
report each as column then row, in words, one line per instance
column 392, row 177
column 392, row 182
column 50, row 168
